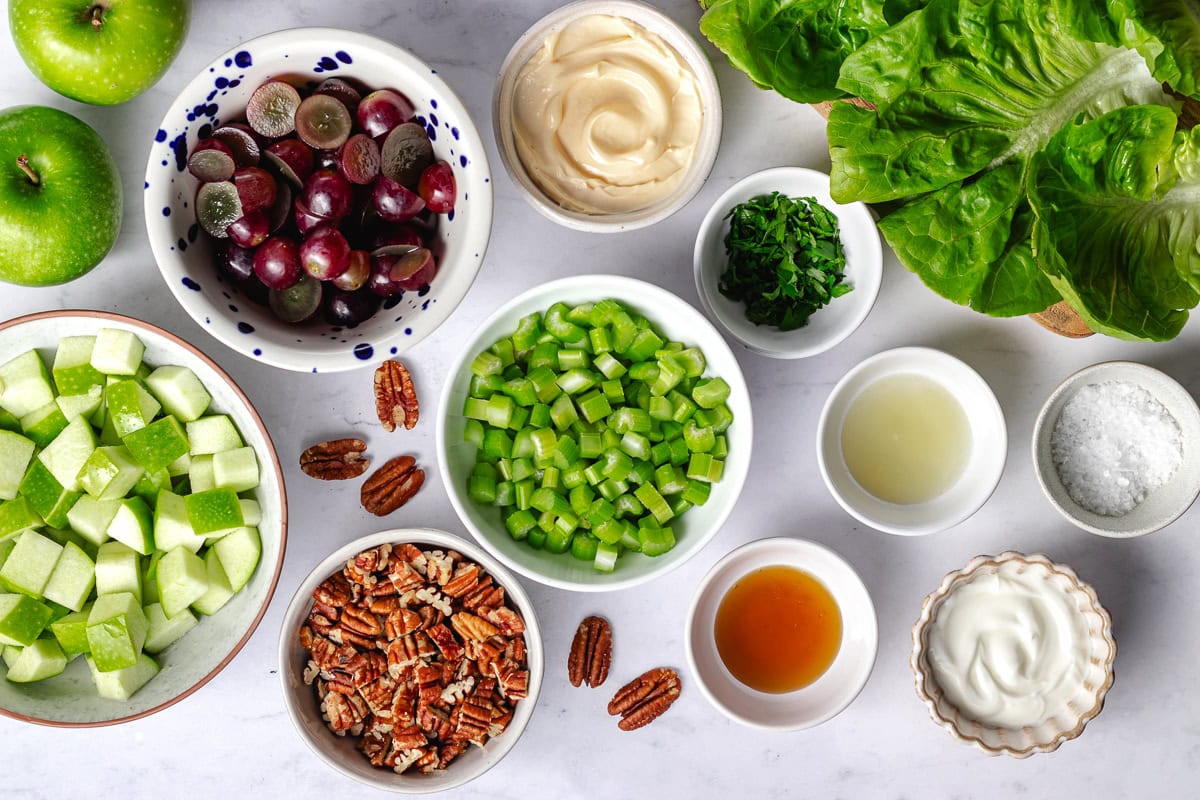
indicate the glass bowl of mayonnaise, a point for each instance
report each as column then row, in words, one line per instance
column 1013, row 654
column 607, row 115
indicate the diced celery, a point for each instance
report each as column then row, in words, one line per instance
column 583, row 547
column 521, row 390
column 656, row 541
column 487, row 363
column 573, row 359
column 562, row 412
column 519, row 523
column 482, row 489
column 594, row 406
column 473, row 432
column 697, row 492
column 559, row 326
column 551, row 478
column 698, row 439
column 608, row 365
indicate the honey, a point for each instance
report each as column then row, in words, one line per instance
column 778, row 629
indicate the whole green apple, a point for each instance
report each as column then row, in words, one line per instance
column 99, row 51
column 60, row 196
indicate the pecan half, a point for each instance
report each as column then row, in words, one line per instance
column 392, row 485
column 337, row 460
column 395, row 397
column 645, row 698
column 591, row 652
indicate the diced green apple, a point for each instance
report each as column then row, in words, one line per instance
column 109, row 472
column 117, row 352
column 251, row 512
column 171, row 526
column 212, row 434
column 133, row 524
column 120, row 684
column 180, row 466
column 17, row 515
column 239, row 553
column 158, row 444
column 44, row 423
column 81, row 405
column 16, row 451
column 70, row 450
column 90, row 517
column 163, row 630
column 46, row 495
column 25, row 384
column 73, row 578
column 151, row 483
column 73, row 371
column 214, row 510
column 219, row 590
column 28, row 567
column 118, row 570
column 41, row 659
column 182, row 580
column 180, row 392
column 8, row 422
column 22, row 619
column 130, row 406
column 150, row 578
column 236, row 469
column 200, row 474
column 71, row 631
column 116, row 630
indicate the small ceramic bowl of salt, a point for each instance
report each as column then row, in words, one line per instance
column 1116, row 449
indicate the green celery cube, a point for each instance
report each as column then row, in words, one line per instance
column 116, row 630
column 73, row 371
column 158, row 444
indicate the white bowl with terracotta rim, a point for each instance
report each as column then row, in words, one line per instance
column 682, row 41
column 1162, row 506
column 339, row 752
column 828, row 695
column 70, row 699
column 1087, row 699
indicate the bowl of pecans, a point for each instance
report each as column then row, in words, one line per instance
column 411, row 660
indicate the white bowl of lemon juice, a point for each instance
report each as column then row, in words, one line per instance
column 912, row 441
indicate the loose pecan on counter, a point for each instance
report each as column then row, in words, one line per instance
column 417, row 677
column 591, row 652
column 645, row 698
column 395, row 397
column 392, row 485
column 337, row 460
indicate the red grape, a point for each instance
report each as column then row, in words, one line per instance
column 357, row 272
column 383, row 110
column 211, row 161
column 322, row 122
column 250, row 230
column 398, row 234
column 349, row 308
column 413, row 270
column 359, row 159
column 277, row 262
column 255, row 188
column 405, row 153
column 297, row 302
column 217, row 205
column 336, row 87
column 271, row 110
column 325, row 253
column 237, row 262
column 242, row 143
column 328, row 194
column 437, row 187
column 394, row 202
column 293, row 159
column 305, row 219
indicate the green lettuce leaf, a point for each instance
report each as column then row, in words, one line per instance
column 1176, row 24
column 965, row 85
column 1117, row 227
column 795, row 47
column 969, row 242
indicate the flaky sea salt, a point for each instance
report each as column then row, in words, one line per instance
column 1112, row 445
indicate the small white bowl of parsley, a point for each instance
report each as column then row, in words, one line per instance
column 783, row 268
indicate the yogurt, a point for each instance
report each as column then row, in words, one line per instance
column 1009, row 648
column 606, row 116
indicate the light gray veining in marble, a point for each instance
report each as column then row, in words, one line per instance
column 233, row 739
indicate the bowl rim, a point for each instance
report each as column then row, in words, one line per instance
column 283, row 521
column 872, row 261
column 791, row 550
column 1043, row 429
column 707, row 146
column 301, row 600
column 993, row 407
column 923, row 677
column 461, row 362
column 284, row 356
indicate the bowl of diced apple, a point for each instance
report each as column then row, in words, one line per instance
column 142, row 518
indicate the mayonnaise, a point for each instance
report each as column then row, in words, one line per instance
column 606, row 116
column 1009, row 649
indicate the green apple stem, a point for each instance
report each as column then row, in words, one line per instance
column 23, row 164
column 97, row 12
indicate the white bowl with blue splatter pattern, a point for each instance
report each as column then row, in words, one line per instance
column 185, row 256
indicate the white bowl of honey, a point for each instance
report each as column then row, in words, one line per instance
column 781, row 634
column 912, row 441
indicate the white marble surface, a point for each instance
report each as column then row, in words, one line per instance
column 233, row 738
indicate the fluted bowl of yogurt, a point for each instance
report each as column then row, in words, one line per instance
column 1013, row 654
column 607, row 115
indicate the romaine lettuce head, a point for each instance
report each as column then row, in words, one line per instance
column 1176, row 24
column 1117, row 225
